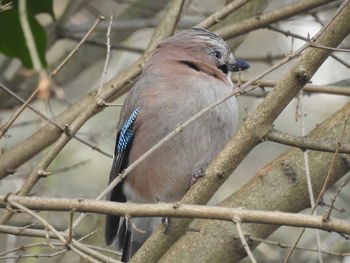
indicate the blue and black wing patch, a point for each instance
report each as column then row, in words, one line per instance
column 120, row 162
column 126, row 133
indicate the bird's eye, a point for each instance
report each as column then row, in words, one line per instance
column 217, row 54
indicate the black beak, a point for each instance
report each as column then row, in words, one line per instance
column 239, row 65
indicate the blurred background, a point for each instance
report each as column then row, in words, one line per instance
column 82, row 172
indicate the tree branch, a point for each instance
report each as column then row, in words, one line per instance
column 172, row 210
column 222, row 13
column 306, row 142
column 336, row 90
column 273, row 16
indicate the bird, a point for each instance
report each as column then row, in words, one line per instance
column 186, row 73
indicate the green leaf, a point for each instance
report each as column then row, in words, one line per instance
column 12, row 41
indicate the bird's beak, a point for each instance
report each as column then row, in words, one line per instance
column 239, row 65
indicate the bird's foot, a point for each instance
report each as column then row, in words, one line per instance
column 166, row 223
column 196, row 175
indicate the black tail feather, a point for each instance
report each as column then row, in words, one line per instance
column 117, row 195
column 127, row 246
column 111, row 228
column 121, row 239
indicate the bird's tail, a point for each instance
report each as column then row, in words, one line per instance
column 133, row 233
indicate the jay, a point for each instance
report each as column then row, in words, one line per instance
column 186, row 73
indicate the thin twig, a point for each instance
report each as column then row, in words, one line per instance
column 63, row 129
column 267, row 18
column 44, row 244
column 23, row 247
column 307, row 172
column 340, row 60
column 302, row 142
column 132, row 24
column 269, row 58
column 309, row 88
column 245, row 245
column 331, row 48
column 332, row 165
column 75, row 50
column 334, row 197
column 281, row 245
column 74, row 245
column 288, row 33
column 50, row 227
column 6, row 6
column 50, row 255
column 108, row 54
column 222, row 13
column 339, row 209
column 103, row 45
column 70, row 232
column 70, row 167
column 328, row 177
column 112, row 104
column 5, row 127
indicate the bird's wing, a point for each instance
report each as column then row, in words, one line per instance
column 120, row 162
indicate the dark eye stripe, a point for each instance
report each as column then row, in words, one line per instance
column 191, row 65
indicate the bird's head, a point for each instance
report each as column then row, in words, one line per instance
column 202, row 45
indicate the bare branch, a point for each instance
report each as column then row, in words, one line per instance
column 169, row 210
column 221, row 14
column 336, row 90
column 281, row 245
column 259, row 21
column 108, row 54
column 102, row 45
column 288, row 33
column 75, row 50
column 245, row 245
column 4, row 128
column 63, row 129
column 307, row 142
column 301, row 115
column 48, row 226
column 334, row 197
